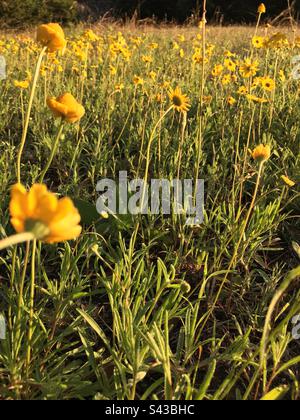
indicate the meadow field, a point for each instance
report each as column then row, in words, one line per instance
column 148, row 307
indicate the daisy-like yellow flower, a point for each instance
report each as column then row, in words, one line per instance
column 66, row 107
column 179, row 101
column 51, row 36
column 230, row 64
column 147, row 59
column 153, row 46
column 138, row 81
column 231, row 101
column 258, row 42
column 40, row 212
column 249, row 68
column 261, row 153
column 226, row 80
column 261, row 9
column 217, row 70
column 24, row 84
column 243, row 90
column 198, row 58
column 43, row 71
column 288, row 181
column 268, row 84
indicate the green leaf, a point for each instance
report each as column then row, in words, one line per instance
column 207, row 381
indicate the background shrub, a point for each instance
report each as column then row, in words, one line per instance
column 22, row 13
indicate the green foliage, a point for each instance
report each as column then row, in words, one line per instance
column 27, row 12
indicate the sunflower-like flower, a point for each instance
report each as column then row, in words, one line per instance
column 231, row 101
column 179, row 101
column 261, row 153
column 138, row 81
column 243, row 90
column 51, row 36
column 229, row 64
column 258, row 42
column 249, row 68
column 268, row 84
column 40, row 212
column 66, row 107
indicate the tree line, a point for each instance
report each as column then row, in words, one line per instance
column 25, row 12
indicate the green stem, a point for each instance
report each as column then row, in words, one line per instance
column 202, row 87
column 16, row 239
column 27, row 119
column 54, row 150
column 20, row 299
column 181, row 144
column 31, row 312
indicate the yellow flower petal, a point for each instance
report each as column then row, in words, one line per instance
column 66, row 107
column 51, row 36
column 288, row 181
column 39, row 211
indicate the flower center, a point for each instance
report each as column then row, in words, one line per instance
column 38, row 228
column 177, row 100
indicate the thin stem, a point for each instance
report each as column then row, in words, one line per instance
column 258, row 22
column 54, row 150
column 31, row 312
column 16, row 239
column 20, row 298
column 181, row 143
column 202, row 86
column 26, row 125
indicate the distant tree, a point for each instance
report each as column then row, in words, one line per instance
column 25, row 12
column 233, row 10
